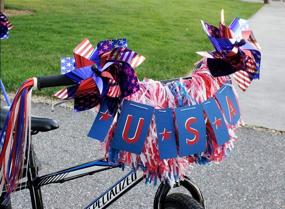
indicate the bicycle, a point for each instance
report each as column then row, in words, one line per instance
column 34, row 182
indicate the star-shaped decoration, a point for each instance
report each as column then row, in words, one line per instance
column 232, row 110
column 105, row 115
column 165, row 134
column 217, row 122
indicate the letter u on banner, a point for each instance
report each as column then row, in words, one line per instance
column 229, row 104
column 133, row 125
column 191, row 130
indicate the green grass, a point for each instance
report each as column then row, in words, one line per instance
column 166, row 32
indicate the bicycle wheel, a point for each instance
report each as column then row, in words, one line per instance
column 180, row 201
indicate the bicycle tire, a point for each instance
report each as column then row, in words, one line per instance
column 180, row 201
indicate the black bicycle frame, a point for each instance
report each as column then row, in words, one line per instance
column 126, row 183
column 35, row 182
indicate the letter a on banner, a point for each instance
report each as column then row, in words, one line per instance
column 217, row 121
column 133, row 125
column 228, row 101
column 165, row 133
column 102, row 123
column 191, row 130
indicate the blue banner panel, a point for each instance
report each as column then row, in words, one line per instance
column 102, row 123
column 191, row 130
column 165, row 133
column 217, row 121
column 133, row 126
column 229, row 104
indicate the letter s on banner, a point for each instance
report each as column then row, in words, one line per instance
column 133, row 125
column 194, row 131
column 191, row 130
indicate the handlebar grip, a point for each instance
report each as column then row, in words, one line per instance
column 61, row 80
column 53, row 81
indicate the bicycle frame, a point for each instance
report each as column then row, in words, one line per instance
column 34, row 183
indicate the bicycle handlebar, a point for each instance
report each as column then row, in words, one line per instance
column 53, row 81
column 61, row 80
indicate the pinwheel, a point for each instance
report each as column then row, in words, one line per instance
column 106, row 71
column 5, row 26
column 236, row 51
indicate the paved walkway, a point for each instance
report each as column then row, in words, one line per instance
column 263, row 104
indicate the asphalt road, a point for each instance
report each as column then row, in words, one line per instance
column 253, row 177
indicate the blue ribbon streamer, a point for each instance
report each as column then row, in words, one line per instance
column 7, row 100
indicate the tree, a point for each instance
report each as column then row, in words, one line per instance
column 1, row 5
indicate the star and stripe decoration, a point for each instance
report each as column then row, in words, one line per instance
column 5, row 26
column 159, row 128
column 106, row 71
column 236, row 51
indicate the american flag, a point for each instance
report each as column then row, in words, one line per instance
column 83, row 53
column 127, row 55
column 246, row 66
column 9, row 25
column 221, row 44
column 114, row 89
column 243, row 79
column 5, row 26
column 108, row 45
column 67, row 64
column 84, row 49
column 66, row 93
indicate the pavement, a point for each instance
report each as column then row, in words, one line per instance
column 252, row 177
column 263, row 103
